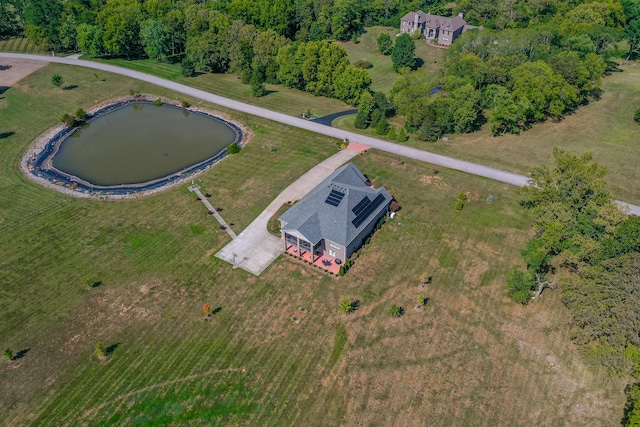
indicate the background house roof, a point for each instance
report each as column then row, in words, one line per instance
column 436, row 21
column 324, row 214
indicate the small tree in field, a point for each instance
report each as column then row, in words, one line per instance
column 385, row 44
column 206, row 309
column 420, row 300
column 636, row 116
column 100, row 352
column 395, row 311
column 8, row 354
column 345, row 305
column 57, row 80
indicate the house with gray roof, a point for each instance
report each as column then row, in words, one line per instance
column 434, row 27
column 334, row 218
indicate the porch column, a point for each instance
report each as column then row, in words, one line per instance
column 298, row 240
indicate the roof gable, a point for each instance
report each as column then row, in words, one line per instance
column 322, row 214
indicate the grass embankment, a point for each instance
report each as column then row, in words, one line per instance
column 21, row 45
column 470, row 357
column 605, row 128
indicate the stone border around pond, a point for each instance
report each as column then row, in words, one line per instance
column 46, row 145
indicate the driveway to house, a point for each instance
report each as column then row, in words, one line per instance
column 436, row 159
column 255, row 248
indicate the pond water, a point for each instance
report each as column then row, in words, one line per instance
column 141, row 142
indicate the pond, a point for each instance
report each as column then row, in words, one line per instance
column 141, row 142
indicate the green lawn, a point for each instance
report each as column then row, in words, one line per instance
column 382, row 75
column 471, row 357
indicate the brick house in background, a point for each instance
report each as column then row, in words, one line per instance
column 334, row 218
column 445, row 30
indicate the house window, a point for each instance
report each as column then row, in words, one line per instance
column 332, row 253
column 334, row 245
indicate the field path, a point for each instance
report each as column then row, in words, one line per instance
column 413, row 153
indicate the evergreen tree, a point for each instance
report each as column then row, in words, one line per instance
column 381, row 127
column 392, row 133
column 402, row 136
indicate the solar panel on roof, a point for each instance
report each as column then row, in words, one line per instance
column 366, row 212
column 362, row 204
column 334, row 198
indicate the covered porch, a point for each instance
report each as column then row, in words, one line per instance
column 323, row 261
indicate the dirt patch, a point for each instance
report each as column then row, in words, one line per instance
column 14, row 70
column 432, row 180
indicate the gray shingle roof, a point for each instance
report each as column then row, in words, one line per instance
column 316, row 220
column 436, row 21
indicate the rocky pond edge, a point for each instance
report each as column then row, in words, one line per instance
column 75, row 187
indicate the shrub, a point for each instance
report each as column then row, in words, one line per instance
column 68, row 119
column 420, row 299
column 363, row 64
column 395, row 311
column 100, row 351
column 185, row 104
column 81, row 114
column 8, row 354
column 341, row 271
column 519, row 286
column 345, row 305
column 132, row 92
column 354, row 38
column 157, row 103
column 234, row 148
column 367, row 240
column 57, row 80
column 636, row 116
column 188, row 68
column 394, row 206
column 459, row 205
column 462, row 196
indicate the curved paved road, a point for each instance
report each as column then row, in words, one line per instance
column 436, row 159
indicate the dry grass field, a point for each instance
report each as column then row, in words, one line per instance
column 470, row 357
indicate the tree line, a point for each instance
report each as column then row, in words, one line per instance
column 583, row 236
